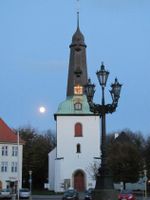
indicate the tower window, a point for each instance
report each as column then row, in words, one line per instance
column 78, row 130
column 78, row 106
column 78, row 89
column 78, row 148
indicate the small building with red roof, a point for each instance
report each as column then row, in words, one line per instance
column 11, row 156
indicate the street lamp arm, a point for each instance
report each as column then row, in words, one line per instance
column 95, row 108
column 110, row 108
column 102, row 109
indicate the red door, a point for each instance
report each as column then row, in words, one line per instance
column 79, row 183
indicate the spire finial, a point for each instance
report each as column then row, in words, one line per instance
column 77, row 13
column 77, row 19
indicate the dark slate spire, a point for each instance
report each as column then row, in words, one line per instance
column 77, row 73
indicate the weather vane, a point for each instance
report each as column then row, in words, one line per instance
column 78, row 3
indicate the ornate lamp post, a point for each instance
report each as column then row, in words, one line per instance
column 104, row 179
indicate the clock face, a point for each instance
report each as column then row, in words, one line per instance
column 78, row 89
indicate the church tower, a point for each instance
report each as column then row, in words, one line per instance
column 77, row 75
column 71, row 163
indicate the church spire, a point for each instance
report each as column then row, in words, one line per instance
column 77, row 19
column 77, row 73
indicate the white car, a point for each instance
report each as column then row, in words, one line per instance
column 24, row 193
column 5, row 194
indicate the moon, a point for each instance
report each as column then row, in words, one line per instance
column 42, row 109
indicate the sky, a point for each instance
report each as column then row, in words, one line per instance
column 34, row 54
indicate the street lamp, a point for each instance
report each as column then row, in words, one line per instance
column 104, row 180
column 30, row 182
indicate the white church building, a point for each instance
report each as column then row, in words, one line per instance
column 71, row 163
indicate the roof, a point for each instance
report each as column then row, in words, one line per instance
column 78, row 38
column 7, row 135
column 67, row 106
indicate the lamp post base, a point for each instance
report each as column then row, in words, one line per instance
column 104, row 194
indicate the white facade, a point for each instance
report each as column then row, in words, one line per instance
column 51, row 167
column 9, row 172
column 67, row 160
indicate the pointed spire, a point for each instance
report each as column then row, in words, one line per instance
column 77, row 73
column 78, row 37
column 77, row 19
column 78, row 6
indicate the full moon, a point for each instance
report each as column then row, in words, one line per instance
column 42, row 109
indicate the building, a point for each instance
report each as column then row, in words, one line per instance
column 10, row 160
column 78, row 140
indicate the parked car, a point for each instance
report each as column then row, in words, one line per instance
column 70, row 194
column 88, row 194
column 5, row 194
column 24, row 193
column 126, row 195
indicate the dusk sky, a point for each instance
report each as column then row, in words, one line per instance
column 34, row 54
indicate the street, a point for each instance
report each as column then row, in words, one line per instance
column 46, row 197
column 59, row 197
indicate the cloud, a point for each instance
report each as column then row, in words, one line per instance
column 42, row 64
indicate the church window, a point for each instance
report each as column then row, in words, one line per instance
column 78, row 106
column 78, row 148
column 78, row 130
column 78, row 89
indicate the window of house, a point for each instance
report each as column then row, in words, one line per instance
column 4, row 166
column 78, row 130
column 4, row 150
column 14, row 167
column 78, row 106
column 14, row 150
column 78, row 148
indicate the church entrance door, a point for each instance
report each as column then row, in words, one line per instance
column 79, row 181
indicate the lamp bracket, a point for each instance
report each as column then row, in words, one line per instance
column 102, row 109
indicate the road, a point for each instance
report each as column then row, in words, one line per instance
column 52, row 197
column 59, row 197
column 143, row 198
column 46, row 197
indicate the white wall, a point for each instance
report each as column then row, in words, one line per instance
column 90, row 142
column 70, row 161
column 51, row 167
column 11, row 176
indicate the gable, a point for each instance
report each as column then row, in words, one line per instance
column 7, row 135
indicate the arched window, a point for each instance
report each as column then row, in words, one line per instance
column 78, row 130
column 78, row 148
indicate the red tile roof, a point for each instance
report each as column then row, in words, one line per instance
column 7, row 135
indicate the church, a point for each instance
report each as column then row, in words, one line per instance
column 71, row 163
